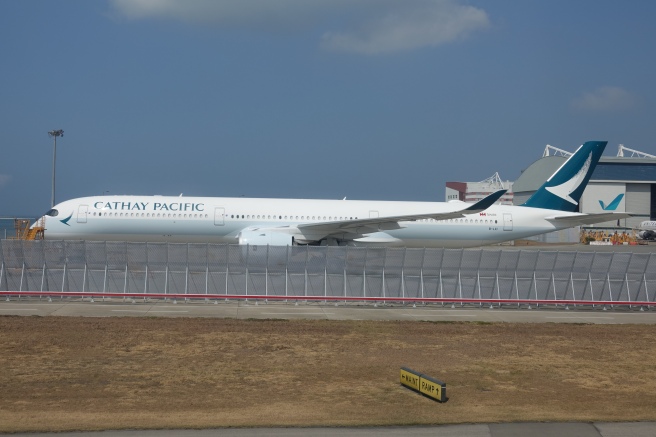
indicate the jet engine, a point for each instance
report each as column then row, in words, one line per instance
column 261, row 237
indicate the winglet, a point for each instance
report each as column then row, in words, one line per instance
column 563, row 190
column 484, row 203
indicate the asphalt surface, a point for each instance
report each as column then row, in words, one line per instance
column 633, row 429
column 33, row 306
column 569, row 247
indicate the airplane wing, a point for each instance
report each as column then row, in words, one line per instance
column 376, row 224
column 589, row 219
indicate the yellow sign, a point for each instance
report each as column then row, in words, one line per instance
column 410, row 378
column 431, row 387
column 424, row 384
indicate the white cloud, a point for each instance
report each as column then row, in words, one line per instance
column 606, row 98
column 263, row 14
column 356, row 26
column 428, row 23
column 4, row 180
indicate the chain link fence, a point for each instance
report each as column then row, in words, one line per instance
column 326, row 272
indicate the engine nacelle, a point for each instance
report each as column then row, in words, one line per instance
column 264, row 237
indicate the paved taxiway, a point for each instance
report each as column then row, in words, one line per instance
column 323, row 311
column 645, row 247
column 633, row 429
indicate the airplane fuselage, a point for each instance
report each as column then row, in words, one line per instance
column 223, row 220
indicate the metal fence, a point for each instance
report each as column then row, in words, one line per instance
column 79, row 268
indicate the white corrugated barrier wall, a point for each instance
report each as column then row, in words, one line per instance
column 326, row 273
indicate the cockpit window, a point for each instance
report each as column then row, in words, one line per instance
column 52, row 213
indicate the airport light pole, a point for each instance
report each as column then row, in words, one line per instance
column 54, row 134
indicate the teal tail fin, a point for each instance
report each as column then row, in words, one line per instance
column 563, row 189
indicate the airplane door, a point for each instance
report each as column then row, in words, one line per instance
column 82, row 212
column 219, row 216
column 373, row 214
column 507, row 222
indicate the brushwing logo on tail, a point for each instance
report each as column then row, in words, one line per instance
column 612, row 206
column 566, row 188
column 65, row 221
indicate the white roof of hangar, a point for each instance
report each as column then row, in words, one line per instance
column 620, row 169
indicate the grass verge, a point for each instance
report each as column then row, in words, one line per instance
column 68, row 373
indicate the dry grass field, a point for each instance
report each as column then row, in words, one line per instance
column 65, row 373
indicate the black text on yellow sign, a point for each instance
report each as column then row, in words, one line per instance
column 424, row 384
column 410, row 378
column 432, row 388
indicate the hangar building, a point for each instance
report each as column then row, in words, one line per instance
column 633, row 177
column 629, row 176
column 475, row 191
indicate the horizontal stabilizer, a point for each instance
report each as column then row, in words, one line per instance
column 588, row 219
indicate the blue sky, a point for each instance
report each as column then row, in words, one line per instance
column 369, row 99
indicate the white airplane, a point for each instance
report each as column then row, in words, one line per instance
column 332, row 222
column 647, row 230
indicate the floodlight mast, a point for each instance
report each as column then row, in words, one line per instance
column 54, row 134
